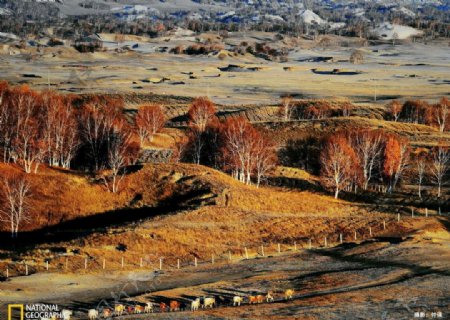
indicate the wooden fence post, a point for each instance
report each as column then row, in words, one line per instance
column 85, row 263
column 355, row 236
column 104, row 263
column 160, row 263
column 262, row 251
column 412, row 212
column 326, row 244
column 295, row 246
column 7, row 272
column 340, row 238
column 246, row 253
column 195, row 261
column 121, row 263
column 426, row 212
column 140, row 263
column 310, row 244
column 370, row 231
column 398, row 217
column 26, row 269
column 178, row 263
column 46, row 265
column 384, row 224
column 67, row 263
column 212, row 259
column 229, row 256
column 279, row 248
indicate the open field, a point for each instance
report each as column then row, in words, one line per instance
column 392, row 277
column 410, row 70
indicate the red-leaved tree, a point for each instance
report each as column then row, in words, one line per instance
column 150, row 120
column 339, row 163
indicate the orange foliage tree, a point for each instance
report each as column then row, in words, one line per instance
column 201, row 113
column 394, row 109
column 150, row 120
column 396, row 152
column 246, row 152
column 339, row 163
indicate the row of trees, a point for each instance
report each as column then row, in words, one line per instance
column 72, row 132
column 412, row 111
column 418, row 111
column 353, row 159
column 234, row 145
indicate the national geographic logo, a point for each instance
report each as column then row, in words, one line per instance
column 33, row 311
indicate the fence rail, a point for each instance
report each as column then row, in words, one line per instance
column 138, row 261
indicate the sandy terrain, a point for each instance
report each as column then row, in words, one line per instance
column 407, row 70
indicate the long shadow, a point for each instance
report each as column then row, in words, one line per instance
column 339, row 254
column 82, row 227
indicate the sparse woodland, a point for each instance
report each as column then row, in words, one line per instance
column 91, row 134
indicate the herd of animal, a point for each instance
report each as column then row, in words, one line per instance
column 173, row 306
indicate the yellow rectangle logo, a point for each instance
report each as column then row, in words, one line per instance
column 12, row 307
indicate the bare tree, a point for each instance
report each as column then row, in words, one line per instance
column 149, row 120
column 421, row 166
column 441, row 162
column 15, row 191
column 120, row 154
column 442, row 113
column 287, row 108
column 368, row 147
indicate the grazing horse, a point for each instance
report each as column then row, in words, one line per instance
column 288, row 294
column 138, row 309
column 106, row 313
column 174, row 305
column 148, row 307
column 252, row 299
column 163, row 307
column 195, row 304
column 209, row 302
column 237, row 300
column 92, row 314
column 119, row 309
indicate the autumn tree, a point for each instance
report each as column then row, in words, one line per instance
column 60, row 129
column 121, row 152
column 442, row 114
column 27, row 143
column 97, row 121
column 395, row 108
column 396, row 151
column 246, row 152
column 339, row 163
column 287, row 108
column 201, row 113
column 15, row 193
column 264, row 157
column 440, row 165
column 150, row 120
column 368, row 145
column 421, row 166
